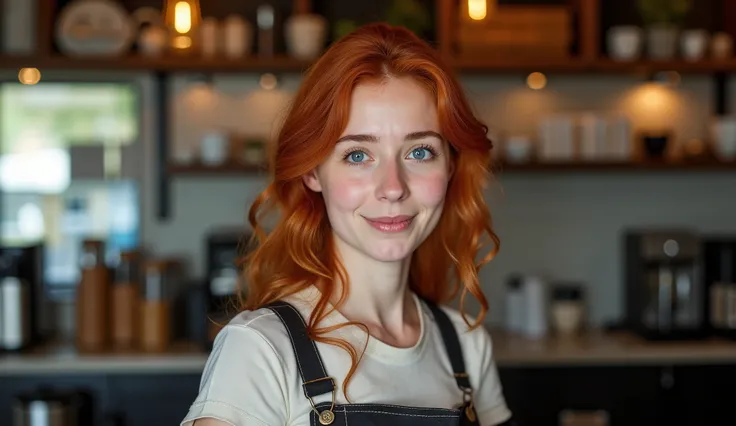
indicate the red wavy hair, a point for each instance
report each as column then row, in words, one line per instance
column 299, row 250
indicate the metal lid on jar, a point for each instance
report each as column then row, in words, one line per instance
column 567, row 291
column 93, row 253
column 158, row 273
column 129, row 268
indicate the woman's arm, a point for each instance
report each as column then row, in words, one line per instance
column 210, row 422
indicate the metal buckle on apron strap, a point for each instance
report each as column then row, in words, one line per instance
column 326, row 416
column 467, row 403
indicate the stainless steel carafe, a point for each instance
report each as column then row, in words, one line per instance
column 15, row 306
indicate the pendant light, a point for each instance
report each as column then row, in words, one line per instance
column 183, row 18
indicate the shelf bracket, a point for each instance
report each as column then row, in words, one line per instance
column 163, row 183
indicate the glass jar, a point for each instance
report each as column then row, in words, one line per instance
column 155, row 311
column 568, row 308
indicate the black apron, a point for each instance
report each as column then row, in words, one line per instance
column 316, row 382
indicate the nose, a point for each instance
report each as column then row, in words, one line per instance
column 391, row 183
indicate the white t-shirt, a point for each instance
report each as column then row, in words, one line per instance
column 251, row 376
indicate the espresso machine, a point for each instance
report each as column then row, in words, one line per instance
column 664, row 291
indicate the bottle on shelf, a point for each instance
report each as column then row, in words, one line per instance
column 155, row 325
column 124, row 300
column 92, row 297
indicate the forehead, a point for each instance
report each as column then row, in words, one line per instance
column 398, row 102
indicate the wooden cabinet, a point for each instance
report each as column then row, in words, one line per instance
column 628, row 395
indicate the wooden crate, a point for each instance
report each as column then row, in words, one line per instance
column 522, row 30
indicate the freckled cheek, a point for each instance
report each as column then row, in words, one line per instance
column 430, row 190
column 347, row 194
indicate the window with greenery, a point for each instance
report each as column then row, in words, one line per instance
column 41, row 201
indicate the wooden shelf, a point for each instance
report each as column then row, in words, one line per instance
column 160, row 64
column 627, row 166
column 581, row 66
column 475, row 64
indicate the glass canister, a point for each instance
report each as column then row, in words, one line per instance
column 124, row 300
column 155, row 310
column 568, row 308
column 92, row 296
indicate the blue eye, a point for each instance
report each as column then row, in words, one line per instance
column 421, row 154
column 356, row 156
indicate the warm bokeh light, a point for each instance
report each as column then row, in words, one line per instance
column 268, row 81
column 182, row 17
column 654, row 107
column 29, row 75
column 477, row 9
column 182, row 42
column 536, row 81
column 653, row 97
column 669, row 78
column 201, row 96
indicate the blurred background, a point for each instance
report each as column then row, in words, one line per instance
column 132, row 140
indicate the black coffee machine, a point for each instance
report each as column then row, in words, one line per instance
column 663, row 282
column 22, row 297
column 720, row 283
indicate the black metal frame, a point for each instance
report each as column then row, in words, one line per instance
column 163, row 182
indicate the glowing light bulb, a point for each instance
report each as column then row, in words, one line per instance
column 477, row 9
column 182, row 17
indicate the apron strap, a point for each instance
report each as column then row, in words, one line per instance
column 452, row 345
column 312, row 370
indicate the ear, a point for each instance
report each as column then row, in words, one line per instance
column 311, row 180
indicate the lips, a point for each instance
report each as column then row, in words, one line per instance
column 390, row 219
column 390, row 224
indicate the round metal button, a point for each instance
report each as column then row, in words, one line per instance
column 326, row 417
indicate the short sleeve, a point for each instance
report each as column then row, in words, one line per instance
column 489, row 399
column 243, row 382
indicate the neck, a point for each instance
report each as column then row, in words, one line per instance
column 379, row 295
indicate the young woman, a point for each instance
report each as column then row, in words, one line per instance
column 378, row 177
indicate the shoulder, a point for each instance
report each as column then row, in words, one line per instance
column 262, row 324
column 247, row 355
column 268, row 325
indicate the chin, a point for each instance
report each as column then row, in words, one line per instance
column 392, row 252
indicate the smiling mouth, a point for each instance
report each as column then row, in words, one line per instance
column 390, row 224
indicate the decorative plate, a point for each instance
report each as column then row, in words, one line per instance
column 94, row 27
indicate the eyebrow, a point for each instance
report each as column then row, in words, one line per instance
column 413, row 136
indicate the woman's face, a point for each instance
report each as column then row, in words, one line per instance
column 385, row 182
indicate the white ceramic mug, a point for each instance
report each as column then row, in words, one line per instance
column 625, row 42
column 694, row 44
